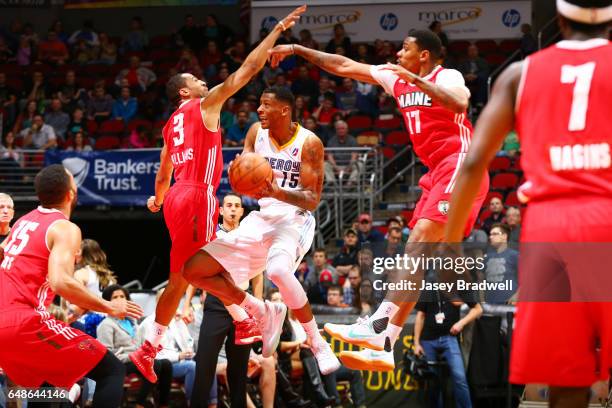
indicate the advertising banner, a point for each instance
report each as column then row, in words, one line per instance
column 393, row 21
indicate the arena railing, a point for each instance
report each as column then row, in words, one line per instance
column 17, row 172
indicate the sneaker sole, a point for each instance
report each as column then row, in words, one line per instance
column 247, row 340
column 142, row 370
column 356, row 342
column 354, row 361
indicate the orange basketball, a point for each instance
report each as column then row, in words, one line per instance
column 248, row 173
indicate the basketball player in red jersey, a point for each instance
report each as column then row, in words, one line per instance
column 38, row 263
column 433, row 101
column 192, row 149
column 558, row 101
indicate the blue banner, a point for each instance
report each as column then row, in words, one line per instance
column 122, row 177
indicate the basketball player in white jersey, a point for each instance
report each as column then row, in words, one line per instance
column 277, row 237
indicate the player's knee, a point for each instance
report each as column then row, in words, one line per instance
column 427, row 231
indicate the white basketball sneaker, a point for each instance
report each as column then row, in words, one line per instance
column 326, row 359
column 272, row 326
column 367, row 359
column 361, row 333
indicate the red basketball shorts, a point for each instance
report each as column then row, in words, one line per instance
column 437, row 186
column 564, row 343
column 190, row 211
column 37, row 348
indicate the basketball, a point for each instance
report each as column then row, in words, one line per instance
column 248, row 173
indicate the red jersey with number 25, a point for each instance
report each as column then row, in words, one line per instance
column 23, row 271
column 436, row 132
column 194, row 150
column 564, row 120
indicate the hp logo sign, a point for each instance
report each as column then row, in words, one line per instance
column 388, row 21
column 269, row 22
column 511, row 18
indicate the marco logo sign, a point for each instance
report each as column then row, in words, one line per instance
column 449, row 16
column 319, row 21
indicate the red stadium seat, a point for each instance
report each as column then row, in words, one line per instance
column 135, row 123
column 159, row 124
column 486, row 46
column 516, row 164
column 112, row 126
column 397, row 138
column 496, row 59
column 388, row 152
column 359, row 123
column 407, row 215
column 504, row 181
column 92, row 127
column 512, row 199
column 458, row 47
column 509, row 46
column 387, row 125
column 107, row 142
column 500, row 163
column 161, row 41
column 161, row 55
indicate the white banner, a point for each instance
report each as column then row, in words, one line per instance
column 367, row 22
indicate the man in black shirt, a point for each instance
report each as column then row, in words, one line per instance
column 436, row 328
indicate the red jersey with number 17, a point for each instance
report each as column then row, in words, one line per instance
column 194, row 150
column 436, row 132
column 564, row 121
column 23, row 271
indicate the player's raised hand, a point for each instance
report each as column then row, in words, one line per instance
column 152, row 205
column 122, row 308
column 292, row 18
column 401, row 72
column 278, row 53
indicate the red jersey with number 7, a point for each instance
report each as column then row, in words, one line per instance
column 564, row 120
column 195, row 151
column 435, row 131
column 23, row 271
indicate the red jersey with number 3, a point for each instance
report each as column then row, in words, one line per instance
column 564, row 120
column 436, row 132
column 23, row 271
column 194, row 150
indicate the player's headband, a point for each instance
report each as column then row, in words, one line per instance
column 587, row 15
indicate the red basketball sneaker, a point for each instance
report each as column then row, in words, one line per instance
column 143, row 359
column 247, row 332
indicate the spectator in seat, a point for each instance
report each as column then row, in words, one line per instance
column 347, row 256
column 321, row 275
column 108, row 50
column 137, row 75
column 119, row 336
column 7, row 212
column 311, row 124
column 529, row 44
column 100, row 105
column 10, row 155
column 70, row 94
column 214, row 31
column 347, row 97
column 350, row 288
column 24, row 53
column 363, row 54
column 511, row 146
column 436, row 328
column 307, row 41
column 125, row 107
column 137, row 38
column 77, row 124
column 58, row 27
column 436, row 27
column 53, row 50
column 475, row 70
column 501, row 265
column 300, row 111
column 188, row 63
column 326, row 87
column 57, row 118
column 340, row 39
column 287, row 37
column 139, row 138
column 6, row 53
column 177, row 348
column 367, row 98
column 304, row 85
column 25, row 118
column 39, row 135
column 210, row 58
column 338, row 161
column 79, row 143
column 513, row 221
column 334, row 296
column 497, row 214
column 8, row 100
column 366, row 295
column 86, row 34
column 190, row 35
column 393, row 244
column 366, row 232
column 237, row 132
column 37, row 90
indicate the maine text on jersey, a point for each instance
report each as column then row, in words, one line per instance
column 413, row 99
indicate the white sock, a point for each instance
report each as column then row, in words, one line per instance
column 386, row 309
column 156, row 334
column 237, row 313
column 253, row 306
column 393, row 332
column 312, row 330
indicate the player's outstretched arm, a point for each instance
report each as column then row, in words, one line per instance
column 332, row 63
column 494, row 123
column 253, row 63
column 311, row 178
column 162, row 181
column 249, row 140
column 64, row 241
